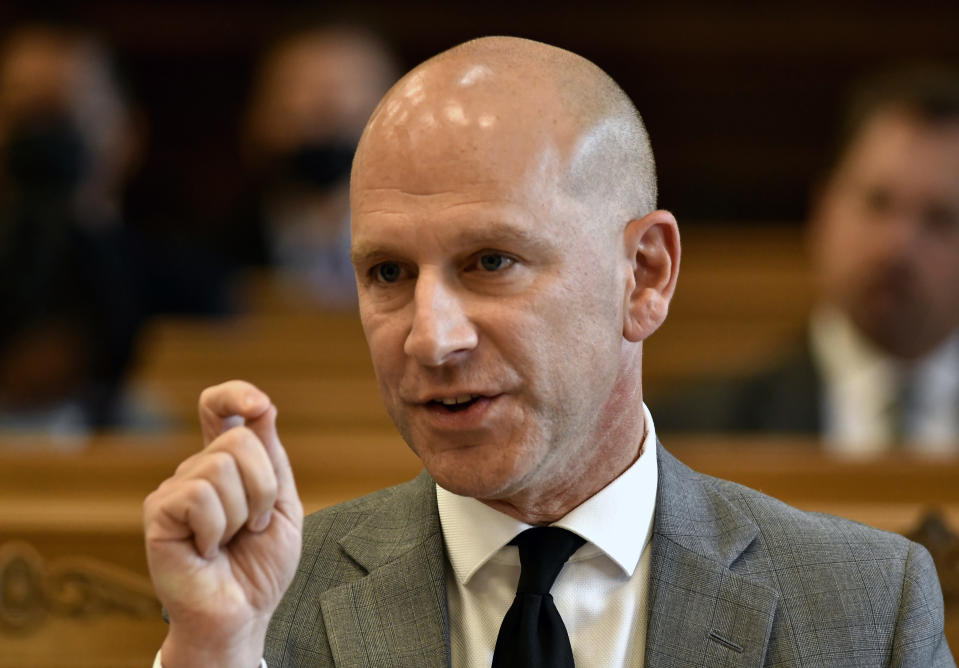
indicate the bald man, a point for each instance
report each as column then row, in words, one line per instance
column 510, row 262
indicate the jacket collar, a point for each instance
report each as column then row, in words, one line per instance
column 397, row 614
column 701, row 612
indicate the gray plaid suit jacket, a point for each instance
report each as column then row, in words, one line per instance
column 736, row 579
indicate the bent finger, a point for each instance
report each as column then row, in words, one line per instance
column 223, row 406
column 190, row 508
column 256, row 472
column 221, row 471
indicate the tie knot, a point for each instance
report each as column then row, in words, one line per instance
column 542, row 553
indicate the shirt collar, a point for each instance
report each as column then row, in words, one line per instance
column 851, row 361
column 617, row 520
column 847, row 358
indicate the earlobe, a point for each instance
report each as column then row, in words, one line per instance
column 653, row 251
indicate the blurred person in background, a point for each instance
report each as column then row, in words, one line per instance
column 880, row 365
column 69, row 308
column 311, row 97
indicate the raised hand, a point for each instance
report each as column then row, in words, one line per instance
column 223, row 534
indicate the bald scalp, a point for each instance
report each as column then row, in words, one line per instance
column 608, row 161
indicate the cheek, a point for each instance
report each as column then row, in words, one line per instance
column 939, row 267
column 838, row 250
column 385, row 337
column 577, row 343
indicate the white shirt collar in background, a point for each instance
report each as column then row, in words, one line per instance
column 861, row 382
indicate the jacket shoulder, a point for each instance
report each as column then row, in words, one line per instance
column 841, row 577
column 782, row 526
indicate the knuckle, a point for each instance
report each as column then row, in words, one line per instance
column 264, row 493
column 271, row 488
column 206, row 395
column 183, row 466
column 149, row 504
column 199, row 491
column 219, row 465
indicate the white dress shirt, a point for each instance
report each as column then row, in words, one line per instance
column 861, row 384
column 601, row 593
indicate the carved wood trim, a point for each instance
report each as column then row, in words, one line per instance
column 936, row 536
column 33, row 590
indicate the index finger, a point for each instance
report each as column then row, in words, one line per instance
column 228, row 404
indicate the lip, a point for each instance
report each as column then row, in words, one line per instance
column 449, row 394
column 474, row 416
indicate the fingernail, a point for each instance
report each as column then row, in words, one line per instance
column 263, row 521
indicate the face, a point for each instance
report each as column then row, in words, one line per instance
column 44, row 74
column 886, row 233
column 492, row 306
column 317, row 88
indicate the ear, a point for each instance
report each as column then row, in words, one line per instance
column 652, row 249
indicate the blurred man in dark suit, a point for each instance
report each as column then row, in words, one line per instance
column 880, row 365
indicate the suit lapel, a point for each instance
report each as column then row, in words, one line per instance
column 397, row 615
column 701, row 612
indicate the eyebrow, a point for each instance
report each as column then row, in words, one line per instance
column 492, row 234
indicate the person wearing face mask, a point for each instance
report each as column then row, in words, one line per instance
column 69, row 310
column 311, row 97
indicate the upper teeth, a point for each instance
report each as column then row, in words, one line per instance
column 452, row 401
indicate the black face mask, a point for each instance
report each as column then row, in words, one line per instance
column 317, row 165
column 48, row 154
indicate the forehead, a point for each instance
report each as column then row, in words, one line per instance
column 461, row 145
column 907, row 152
column 453, row 212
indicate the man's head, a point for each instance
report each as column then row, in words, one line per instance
column 885, row 226
column 312, row 96
column 509, row 260
column 64, row 122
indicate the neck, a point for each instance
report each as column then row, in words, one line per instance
column 538, row 510
column 613, row 448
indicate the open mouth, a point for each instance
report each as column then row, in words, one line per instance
column 456, row 404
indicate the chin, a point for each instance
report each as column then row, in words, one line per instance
column 470, row 472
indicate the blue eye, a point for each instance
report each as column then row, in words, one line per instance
column 493, row 261
column 388, row 272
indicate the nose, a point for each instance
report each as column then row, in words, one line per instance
column 441, row 331
column 899, row 237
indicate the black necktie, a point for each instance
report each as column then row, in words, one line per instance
column 533, row 634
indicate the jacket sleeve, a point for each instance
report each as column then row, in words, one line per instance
column 920, row 636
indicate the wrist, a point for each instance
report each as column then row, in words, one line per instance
column 188, row 650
